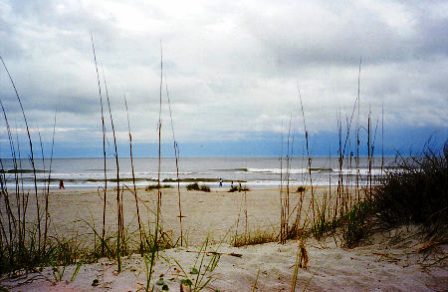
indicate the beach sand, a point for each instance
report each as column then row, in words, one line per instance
column 393, row 260
column 214, row 214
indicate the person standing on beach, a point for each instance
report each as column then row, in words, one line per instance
column 61, row 185
column 220, row 182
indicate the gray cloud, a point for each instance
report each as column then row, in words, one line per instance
column 232, row 67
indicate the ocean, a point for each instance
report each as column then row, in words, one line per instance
column 251, row 172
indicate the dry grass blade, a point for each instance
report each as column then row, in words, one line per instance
column 176, row 154
column 155, row 248
column 282, row 207
column 131, row 154
column 358, row 139
column 255, row 287
column 120, row 216
column 300, row 262
column 103, row 129
column 309, row 159
column 30, row 141
column 47, row 193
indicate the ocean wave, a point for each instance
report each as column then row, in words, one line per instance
column 345, row 171
column 291, row 170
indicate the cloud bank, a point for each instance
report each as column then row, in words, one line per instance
column 232, row 68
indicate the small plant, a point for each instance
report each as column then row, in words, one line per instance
column 323, row 223
column 322, row 227
column 76, row 271
column 233, row 189
column 255, row 287
column 193, row 187
column 358, row 222
column 301, row 189
column 199, row 276
column 59, row 271
column 257, row 237
column 238, row 189
column 205, row 188
column 197, row 187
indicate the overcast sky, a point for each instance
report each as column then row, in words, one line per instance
column 233, row 68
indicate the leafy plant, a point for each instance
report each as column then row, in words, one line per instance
column 200, row 275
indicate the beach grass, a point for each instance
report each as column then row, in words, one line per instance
column 23, row 243
column 258, row 236
column 417, row 193
column 413, row 194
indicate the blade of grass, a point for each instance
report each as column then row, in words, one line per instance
column 103, row 129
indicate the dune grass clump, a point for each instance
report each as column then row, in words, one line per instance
column 320, row 229
column 414, row 193
column 205, row 188
column 197, row 187
column 234, row 189
column 258, row 236
column 59, row 252
column 358, row 223
column 418, row 193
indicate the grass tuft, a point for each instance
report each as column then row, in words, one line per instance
column 358, row 223
column 258, row 236
column 415, row 193
column 238, row 189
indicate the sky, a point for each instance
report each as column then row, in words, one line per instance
column 233, row 70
